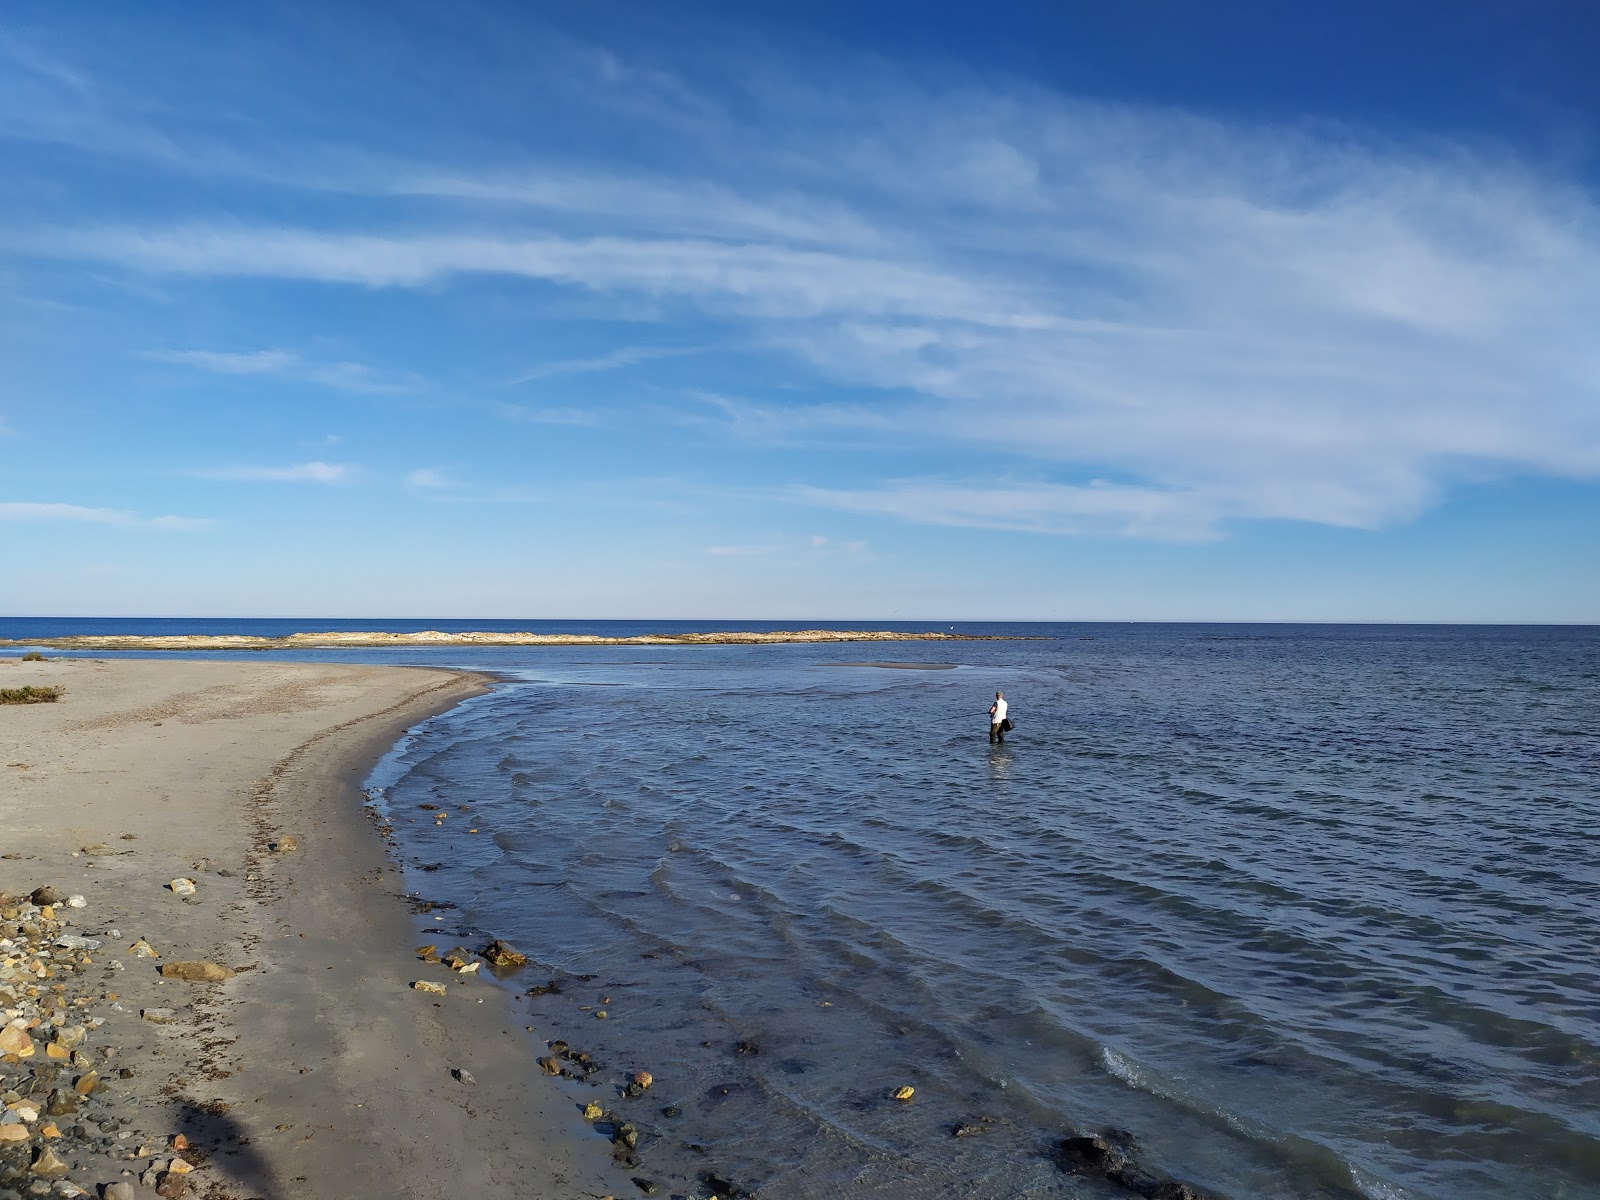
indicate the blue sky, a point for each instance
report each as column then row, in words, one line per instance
column 1139, row 311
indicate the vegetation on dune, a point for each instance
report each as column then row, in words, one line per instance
column 31, row 695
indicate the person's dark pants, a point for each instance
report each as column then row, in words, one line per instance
column 997, row 734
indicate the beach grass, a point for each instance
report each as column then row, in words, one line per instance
column 31, row 695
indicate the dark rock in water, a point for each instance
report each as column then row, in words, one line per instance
column 721, row 1189
column 632, row 1090
column 553, row 988
column 968, row 1129
column 1091, row 1155
column 626, row 1135
column 747, row 1048
column 625, row 1158
column 646, row 1186
column 671, row 1110
column 1107, row 1156
column 558, row 1046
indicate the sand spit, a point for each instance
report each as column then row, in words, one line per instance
column 331, row 641
column 206, row 962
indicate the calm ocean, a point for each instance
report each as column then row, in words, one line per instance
column 1310, row 911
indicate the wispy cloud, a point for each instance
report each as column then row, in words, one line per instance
column 626, row 356
column 429, row 479
column 310, row 472
column 1225, row 322
column 550, row 415
column 345, row 376
column 80, row 514
column 739, row 551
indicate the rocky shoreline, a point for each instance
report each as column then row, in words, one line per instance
column 332, row 641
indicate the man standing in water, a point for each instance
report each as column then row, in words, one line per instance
column 997, row 719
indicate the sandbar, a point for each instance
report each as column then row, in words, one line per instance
column 433, row 637
column 315, row 1070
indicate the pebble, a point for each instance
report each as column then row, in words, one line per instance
column 463, row 1075
column 182, row 887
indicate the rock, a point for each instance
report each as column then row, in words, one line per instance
column 159, row 1016
column 15, row 1040
column 62, row 1103
column 182, row 887
column 601, row 1014
column 13, row 1133
column 47, row 1163
column 76, row 901
column 968, row 1129
column 903, row 1092
column 85, row 1085
column 178, row 1166
column 550, row 1065
column 49, row 1131
column 179, row 1142
column 71, row 941
column 462, row 1075
column 671, row 1110
column 646, row 1186
column 195, row 972
column 592, row 1111
column 143, row 949
column 121, row 1190
column 501, row 955
column 644, row 1079
column 427, row 985
column 626, row 1136
column 45, row 895
column 1176, row 1189
column 172, row 1186
column 287, row 844
column 1091, row 1155
column 71, row 1037
column 747, row 1048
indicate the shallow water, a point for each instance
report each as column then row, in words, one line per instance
column 1310, row 911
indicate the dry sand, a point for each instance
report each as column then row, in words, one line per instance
column 316, row 1071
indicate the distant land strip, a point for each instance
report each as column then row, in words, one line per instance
column 331, row 641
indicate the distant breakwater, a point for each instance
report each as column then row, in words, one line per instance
column 331, row 641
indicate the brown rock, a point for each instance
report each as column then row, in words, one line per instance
column 172, row 1186
column 47, row 1163
column 13, row 1133
column 45, row 895
column 503, row 954
column 287, row 844
column 195, row 972
column 85, row 1085
column 15, row 1040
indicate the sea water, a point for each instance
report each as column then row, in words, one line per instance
column 1308, row 911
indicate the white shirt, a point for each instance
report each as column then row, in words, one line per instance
column 999, row 713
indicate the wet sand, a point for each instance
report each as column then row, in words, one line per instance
column 315, row 1070
column 305, row 641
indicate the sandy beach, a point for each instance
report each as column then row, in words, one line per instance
column 314, row 1069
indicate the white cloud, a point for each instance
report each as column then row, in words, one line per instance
column 429, row 479
column 80, row 514
column 311, row 472
column 345, row 376
column 1231, row 322
column 256, row 362
column 625, row 356
column 553, row 415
